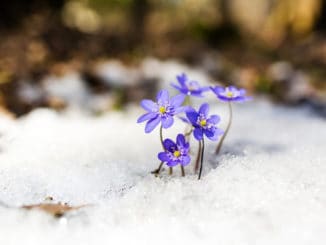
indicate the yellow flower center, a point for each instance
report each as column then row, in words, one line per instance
column 203, row 122
column 229, row 94
column 176, row 153
column 162, row 109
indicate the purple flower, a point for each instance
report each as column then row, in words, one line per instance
column 189, row 87
column 203, row 123
column 230, row 94
column 175, row 153
column 161, row 111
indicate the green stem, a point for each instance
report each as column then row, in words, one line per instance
column 201, row 158
column 170, row 170
column 218, row 148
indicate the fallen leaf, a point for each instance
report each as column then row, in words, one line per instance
column 57, row 210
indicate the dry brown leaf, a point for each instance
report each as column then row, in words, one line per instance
column 57, row 210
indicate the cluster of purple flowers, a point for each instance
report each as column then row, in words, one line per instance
column 165, row 108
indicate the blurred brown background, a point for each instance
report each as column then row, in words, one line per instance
column 272, row 47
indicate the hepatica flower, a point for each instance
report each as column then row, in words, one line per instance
column 230, row 93
column 175, row 153
column 203, row 123
column 189, row 87
column 161, row 111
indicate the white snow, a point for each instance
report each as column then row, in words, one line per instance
column 269, row 186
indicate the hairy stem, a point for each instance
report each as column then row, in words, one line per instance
column 201, row 158
column 170, row 170
column 158, row 170
column 161, row 137
column 197, row 158
column 188, row 132
column 182, row 171
column 218, row 148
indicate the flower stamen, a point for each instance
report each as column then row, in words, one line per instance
column 162, row 109
column 229, row 94
column 176, row 153
column 203, row 122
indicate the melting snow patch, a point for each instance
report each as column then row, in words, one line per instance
column 268, row 186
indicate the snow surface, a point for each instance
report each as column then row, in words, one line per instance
column 268, row 188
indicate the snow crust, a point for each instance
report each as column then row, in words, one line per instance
column 267, row 187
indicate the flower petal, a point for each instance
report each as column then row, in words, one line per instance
column 214, row 137
column 188, row 108
column 181, row 140
column 197, row 93
column 169, row 145
column 151, row 124
column 218, row 132
column 239, row 99
column 242, row 92
column 185, row 160
column 163, row 157
column 146, row 117
column 192, row 116
column 177, row 100
column 204, row 108
column 163, row 97
column 180, row 109
column 182, row 78
column 217, row 90
column 176, row 87
column 205, row 88
column 172, row 163
column 149, row 105
column 198, row 134
column 214, row 119
column 185, row 120
column 167, row 121
column 233, row 89
column 224, row 98
column 209, row 133
column 243, row 98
